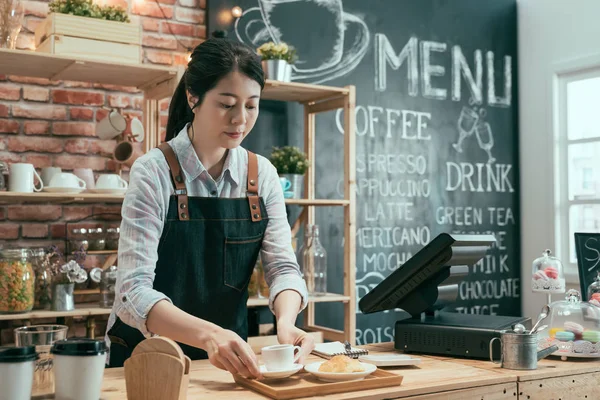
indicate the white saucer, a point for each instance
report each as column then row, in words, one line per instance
column 339, row 376
column 389, row 360
column 62, row 189
column 108, row 191
column 279, row 374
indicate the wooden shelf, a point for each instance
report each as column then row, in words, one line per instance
column 316, row 202
column 101, row 252
column 42, row 197
column 81, row 310
column 300, row 92
column 85, row 310
column 327, row 298
column 54, row 67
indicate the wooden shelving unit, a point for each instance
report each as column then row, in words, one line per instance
column 157, row 82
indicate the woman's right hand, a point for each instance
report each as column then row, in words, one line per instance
column 227, row 350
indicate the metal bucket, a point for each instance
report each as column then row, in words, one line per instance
column 519, row 350
column 42, row 337
column 279, row 70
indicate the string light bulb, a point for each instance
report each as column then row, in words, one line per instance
column 236, row 11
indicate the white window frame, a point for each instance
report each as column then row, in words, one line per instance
column 562, row 75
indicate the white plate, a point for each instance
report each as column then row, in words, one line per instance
column 389, row 360
column 339, row 376
column 108, row 191
column 279, row 374
column 62, row 189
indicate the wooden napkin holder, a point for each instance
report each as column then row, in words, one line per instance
column 157, row 370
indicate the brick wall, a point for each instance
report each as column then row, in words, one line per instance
column 52, row 123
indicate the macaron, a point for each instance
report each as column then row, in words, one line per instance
column 565, row 336
column 552, row 332
column 591, row 336
column 573, row 327
column 539, row 274
column 551, row 272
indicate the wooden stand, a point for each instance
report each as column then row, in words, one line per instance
column 157, row 369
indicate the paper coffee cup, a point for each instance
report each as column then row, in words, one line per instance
column 78, row 368
column 16, row 372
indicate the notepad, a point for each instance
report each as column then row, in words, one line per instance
column 330, row 349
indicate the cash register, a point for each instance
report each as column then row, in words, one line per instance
column 426, row 284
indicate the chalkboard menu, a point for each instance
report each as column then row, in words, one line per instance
column 587, row 246
column 436, row 127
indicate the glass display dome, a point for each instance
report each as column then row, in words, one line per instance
column 547, row 274
column 593, row 291
column 574, row 327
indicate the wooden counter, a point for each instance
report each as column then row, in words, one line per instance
column 426, row 381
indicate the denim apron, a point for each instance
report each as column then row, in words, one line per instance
column 206, row 255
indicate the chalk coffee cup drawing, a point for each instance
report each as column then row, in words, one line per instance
column 21, row 178
column 111, row 181
column 66, row 180
column 280, row 357
column 48, row 173
column 111, row 126
column 345, row 37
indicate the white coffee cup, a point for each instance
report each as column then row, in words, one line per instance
column 78, row 368
column 16, row 372
column 21, row 178
column 280, row 357
column 111, row 181
column 67, row 180
column 111, row 126
column 48, row 173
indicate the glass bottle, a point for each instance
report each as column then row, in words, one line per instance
column 11, row 21
column 314, row 262
column 108, row 282
column 43, row 280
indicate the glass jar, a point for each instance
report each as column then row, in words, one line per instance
column 97, row 241
column 3, row 176
column 78, row 240
column 112, row 238
column 43, row 280
column 574, row 326
column 17, row 281
column 11, row 21
column 108, row 282
column 593, row 291
column 547, row 274
column 314, row 262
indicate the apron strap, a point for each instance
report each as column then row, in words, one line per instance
column 178, row 181
column 252, row 187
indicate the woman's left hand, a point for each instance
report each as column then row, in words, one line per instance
column 288, row 333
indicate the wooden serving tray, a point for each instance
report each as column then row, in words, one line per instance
column 304, row 384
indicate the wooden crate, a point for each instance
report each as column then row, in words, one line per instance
column 88, row 28
column 98, row 50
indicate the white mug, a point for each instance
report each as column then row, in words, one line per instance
column 87, row 175
column 48, row 173
column 280, row 357
column 67, row 180
column 111, row 126
column 21, row 178
column 111, row 181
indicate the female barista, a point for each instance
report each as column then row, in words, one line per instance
column 198, row 211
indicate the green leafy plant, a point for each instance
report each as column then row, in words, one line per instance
column 289, row 160
column 281, row 51
column 86, row 8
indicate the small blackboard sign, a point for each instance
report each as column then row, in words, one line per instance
column 587, row 246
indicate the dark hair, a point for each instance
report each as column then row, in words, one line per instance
column 210, row 62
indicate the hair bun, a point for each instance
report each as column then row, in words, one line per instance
column 219, row 34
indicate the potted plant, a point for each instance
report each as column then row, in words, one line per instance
column 291, row 164
column 277, row 60
column 84, row 29
column 65, row 275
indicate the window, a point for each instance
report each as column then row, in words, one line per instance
column 577, row 169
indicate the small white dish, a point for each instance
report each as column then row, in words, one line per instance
column 389, row 360
column 50, row 189
column 339, row 376
column 109, row 191
column 279, row 374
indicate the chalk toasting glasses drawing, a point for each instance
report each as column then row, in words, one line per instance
column 472, row 121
